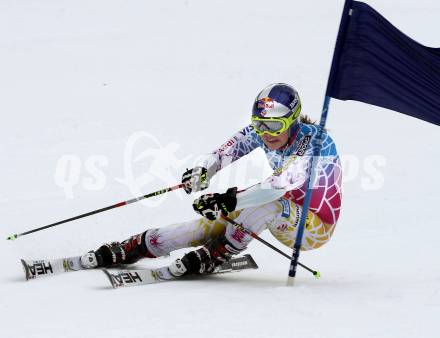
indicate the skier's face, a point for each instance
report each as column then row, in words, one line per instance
column 276, row 142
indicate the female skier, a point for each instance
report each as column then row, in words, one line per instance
column 276, row 203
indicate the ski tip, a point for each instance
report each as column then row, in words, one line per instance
column 12, row 237
column 26, row 269
column 110, row 278
column 317, row 274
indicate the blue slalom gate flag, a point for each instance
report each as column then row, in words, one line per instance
column 376, row 63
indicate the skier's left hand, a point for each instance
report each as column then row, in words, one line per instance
column 195, row 179
column 212, row 206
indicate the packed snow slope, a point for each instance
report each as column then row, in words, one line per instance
column 104, row 100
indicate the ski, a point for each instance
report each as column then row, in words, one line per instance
column 47, row 267
column 134, row 277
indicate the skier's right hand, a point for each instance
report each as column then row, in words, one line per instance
column 195, row 179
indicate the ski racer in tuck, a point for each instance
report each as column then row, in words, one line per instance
column 275, row 204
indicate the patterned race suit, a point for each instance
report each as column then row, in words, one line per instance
column 280, row 215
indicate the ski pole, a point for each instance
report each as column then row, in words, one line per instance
column 117, row 205
column 239, row 226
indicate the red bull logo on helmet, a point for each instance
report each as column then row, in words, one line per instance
column 265, row 103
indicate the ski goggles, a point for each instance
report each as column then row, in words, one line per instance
column 274, row 125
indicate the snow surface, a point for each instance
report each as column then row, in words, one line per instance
column 81, row 78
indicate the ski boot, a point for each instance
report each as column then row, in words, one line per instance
column 205, row 259
column 127, row 252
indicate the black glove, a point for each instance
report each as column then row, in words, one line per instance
column 212, row 206
column 195, row 179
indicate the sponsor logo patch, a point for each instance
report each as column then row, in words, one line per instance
column 302, row 146
column 228, row 144
column 154, row 240
column 286, row 208
column 246, row 130
column 238, row 235
column 293, row 103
